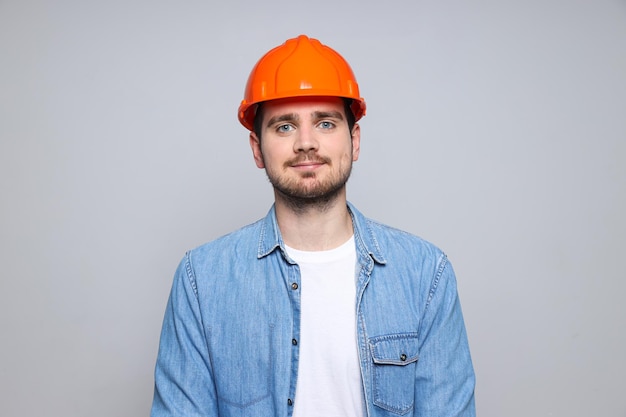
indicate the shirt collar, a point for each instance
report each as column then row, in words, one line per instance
column 365, row 240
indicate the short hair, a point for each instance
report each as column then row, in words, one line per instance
column 347, row 107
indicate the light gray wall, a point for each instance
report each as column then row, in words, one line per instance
column 495, row 129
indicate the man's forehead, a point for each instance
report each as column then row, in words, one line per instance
column 303, row 104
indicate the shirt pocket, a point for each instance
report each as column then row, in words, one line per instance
column 393, row 371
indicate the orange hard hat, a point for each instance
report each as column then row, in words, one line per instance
column 300, row 67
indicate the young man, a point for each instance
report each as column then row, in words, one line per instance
column 314, row 310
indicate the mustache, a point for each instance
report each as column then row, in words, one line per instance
column 307, row 158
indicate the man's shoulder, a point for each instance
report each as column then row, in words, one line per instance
column 387, row 234
column 391, row 244
column 237, row 240
column 403, row 252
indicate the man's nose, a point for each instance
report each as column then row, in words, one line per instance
column 306, row 139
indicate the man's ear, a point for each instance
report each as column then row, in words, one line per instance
column 356, row 141
column 255, row 145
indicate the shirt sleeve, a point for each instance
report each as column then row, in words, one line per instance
column 183, row 375
column 445, row 384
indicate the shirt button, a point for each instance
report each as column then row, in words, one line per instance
column 289, row 402
column 294, row 342
column 403, row 357
column 294, row 286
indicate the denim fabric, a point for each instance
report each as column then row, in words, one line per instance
column 229, row 343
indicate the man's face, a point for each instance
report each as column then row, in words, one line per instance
column 306, row 147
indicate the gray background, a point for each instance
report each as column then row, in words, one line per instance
column 495, row 129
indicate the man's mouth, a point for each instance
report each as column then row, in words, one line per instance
column 307, row 162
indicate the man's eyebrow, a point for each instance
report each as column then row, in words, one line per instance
column 327, row 115
column 289, row 117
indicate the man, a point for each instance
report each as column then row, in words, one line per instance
column 314, row 310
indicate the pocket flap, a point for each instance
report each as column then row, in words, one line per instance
column 394, row 349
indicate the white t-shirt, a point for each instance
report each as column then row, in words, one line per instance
column 329, row 376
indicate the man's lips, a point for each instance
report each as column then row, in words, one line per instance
column 307, row 163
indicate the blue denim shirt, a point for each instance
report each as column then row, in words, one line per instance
column 229, row 343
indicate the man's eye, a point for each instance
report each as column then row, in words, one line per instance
column 327, row 125
column 284, row 128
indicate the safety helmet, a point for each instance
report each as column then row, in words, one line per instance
column 300, row 67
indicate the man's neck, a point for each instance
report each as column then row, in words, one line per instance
column 314, row 227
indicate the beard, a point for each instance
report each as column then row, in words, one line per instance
column 306, row 190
